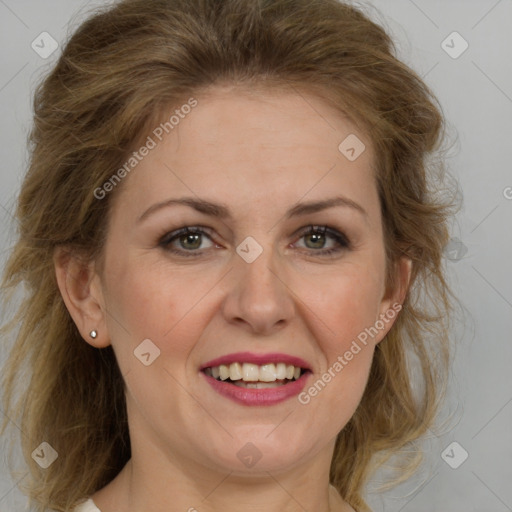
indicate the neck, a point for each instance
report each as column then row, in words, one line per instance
column 161, row 475
column 135, row 489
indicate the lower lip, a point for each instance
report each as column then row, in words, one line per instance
column 251, row 396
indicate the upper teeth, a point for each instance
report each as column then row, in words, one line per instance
column 254, row 373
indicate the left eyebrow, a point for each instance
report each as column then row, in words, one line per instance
column 222, row 211
column 317, row 206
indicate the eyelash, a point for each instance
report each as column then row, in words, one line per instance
column 340, row 238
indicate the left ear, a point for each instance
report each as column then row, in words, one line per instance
column 393, row 298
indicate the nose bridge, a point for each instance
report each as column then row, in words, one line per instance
column 258, row 270
column 258, row 294
column 258, row 266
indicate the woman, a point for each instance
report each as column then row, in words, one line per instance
column 228, row 235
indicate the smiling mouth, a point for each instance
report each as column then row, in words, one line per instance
column 248, row 375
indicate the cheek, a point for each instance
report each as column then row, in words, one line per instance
column 342, row 322
column 344, row 303
column 149, row 304
column 151, row 300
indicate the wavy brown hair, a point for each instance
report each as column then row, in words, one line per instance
column 119, row 71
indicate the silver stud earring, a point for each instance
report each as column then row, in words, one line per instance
column 93, row 334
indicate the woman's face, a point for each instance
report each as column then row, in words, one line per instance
column 251, row 280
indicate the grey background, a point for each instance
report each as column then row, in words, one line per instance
column 475, row 91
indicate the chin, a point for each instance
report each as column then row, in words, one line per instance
column 260, row 452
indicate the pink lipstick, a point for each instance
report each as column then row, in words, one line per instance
column 254, row 382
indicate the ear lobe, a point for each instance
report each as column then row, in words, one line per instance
column 394, row 298
column 80, row 288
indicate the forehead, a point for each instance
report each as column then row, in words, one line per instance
column 248, row 145
column 251, row 120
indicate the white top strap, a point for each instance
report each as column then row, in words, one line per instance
column 87, row 506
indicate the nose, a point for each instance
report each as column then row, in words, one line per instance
column 259, row 298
